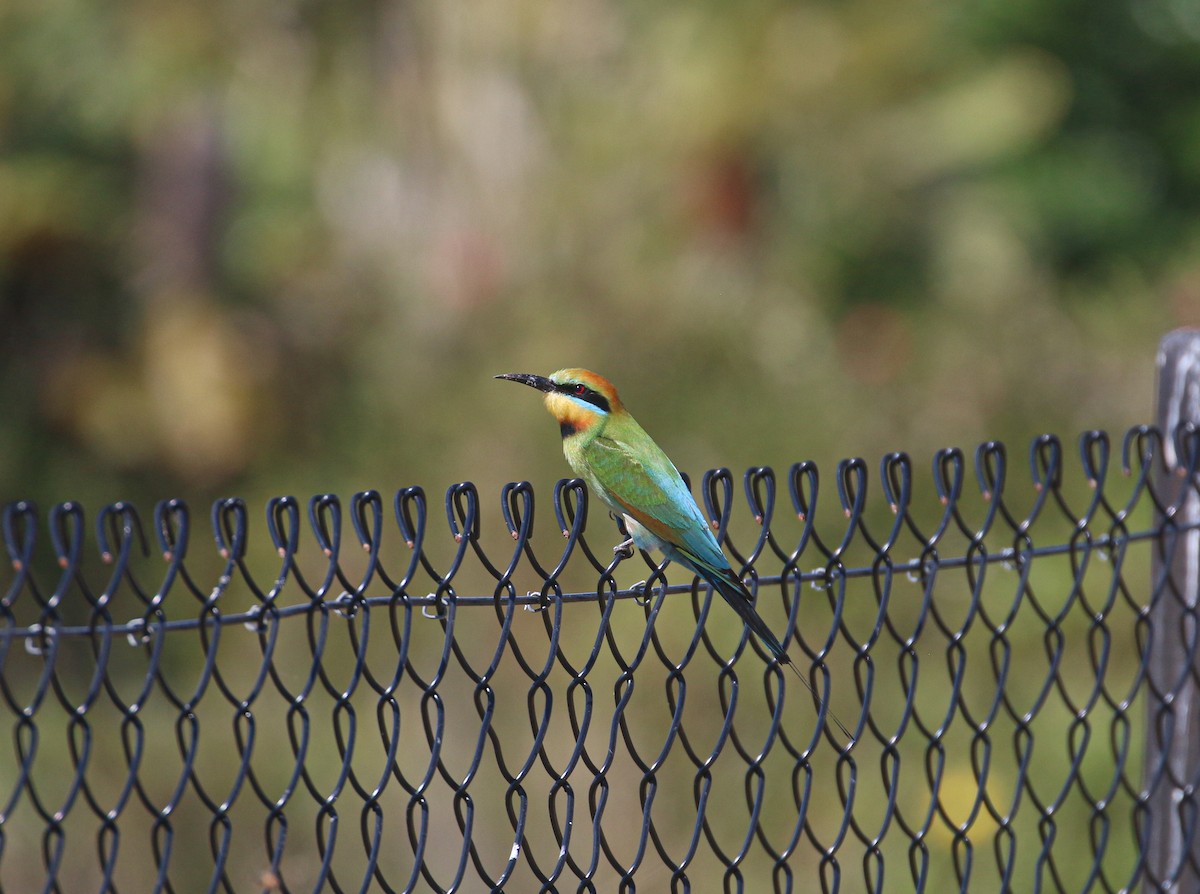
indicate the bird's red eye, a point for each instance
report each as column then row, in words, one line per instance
column 581, row 389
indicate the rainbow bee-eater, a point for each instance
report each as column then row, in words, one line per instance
column 621, row 464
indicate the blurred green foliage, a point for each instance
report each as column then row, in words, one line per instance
column 276, row 247
column 267, row 247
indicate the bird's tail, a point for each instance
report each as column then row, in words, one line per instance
column 742, row 601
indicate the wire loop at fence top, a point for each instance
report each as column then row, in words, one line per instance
column 120, row 532
column 942, row 610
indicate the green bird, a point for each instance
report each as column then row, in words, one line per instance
column 621, row 464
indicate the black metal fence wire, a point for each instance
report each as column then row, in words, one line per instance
column 362, row 696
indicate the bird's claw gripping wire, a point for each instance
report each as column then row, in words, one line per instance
column 437, row 614
column 542, row 602
column 641, row 593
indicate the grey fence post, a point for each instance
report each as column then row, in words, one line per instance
column 1171, row 845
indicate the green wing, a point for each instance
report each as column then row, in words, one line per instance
column 643, row 481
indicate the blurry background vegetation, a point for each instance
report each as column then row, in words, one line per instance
column 260, row 248
column 278, row 247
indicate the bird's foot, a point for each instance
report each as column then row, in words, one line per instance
column 542, row 602
column 439, row 611
column 624, row 549
column 641, row 593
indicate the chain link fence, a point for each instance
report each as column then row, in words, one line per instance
column 397, row 695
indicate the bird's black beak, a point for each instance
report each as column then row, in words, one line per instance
column 541, row 383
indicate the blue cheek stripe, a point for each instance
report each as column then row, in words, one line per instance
column 590, row 407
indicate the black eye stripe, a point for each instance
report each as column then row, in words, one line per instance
column 584, row 393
